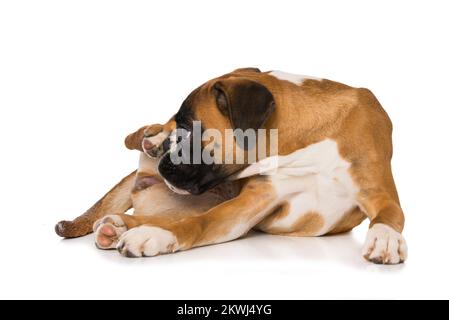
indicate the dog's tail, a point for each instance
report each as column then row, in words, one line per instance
column 117, row 200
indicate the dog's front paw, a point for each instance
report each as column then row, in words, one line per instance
column 384, row 245
column 147, row 241
column 107, row 231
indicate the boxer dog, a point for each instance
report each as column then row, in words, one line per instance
column 331, row 169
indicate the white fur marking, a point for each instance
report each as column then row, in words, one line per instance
column 147, row 241
column 158, row 139
column 384, row 245
column 314, row 178
column 293, row 78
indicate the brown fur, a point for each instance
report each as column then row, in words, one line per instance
column 308, row 224
column 350, row 220
column 325, row 109
column 134, row 140
column 279, row 212
column 303, row 114
column 211, row 226
column 117, row 200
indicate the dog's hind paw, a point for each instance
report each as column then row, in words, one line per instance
column 108, row 230
column 152, row 143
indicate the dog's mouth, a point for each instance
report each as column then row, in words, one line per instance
column 208, row 181
column 177, row 167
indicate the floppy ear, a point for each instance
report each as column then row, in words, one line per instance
column 134, row 140
column 248, row 104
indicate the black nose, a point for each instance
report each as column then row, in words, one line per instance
column 178, row 174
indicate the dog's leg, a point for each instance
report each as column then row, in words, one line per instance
column 134, row 140
column 379, row 200
column 384, row 243
column 149, row 236
column 117, row 200
column 150, row 139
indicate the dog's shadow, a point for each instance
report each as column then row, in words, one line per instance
column 344, row 249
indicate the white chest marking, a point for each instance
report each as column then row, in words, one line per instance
column 294, row 78
column 315, row 178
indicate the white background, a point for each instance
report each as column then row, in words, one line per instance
column 77, row 76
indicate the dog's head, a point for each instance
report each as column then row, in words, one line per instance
column 234, row 101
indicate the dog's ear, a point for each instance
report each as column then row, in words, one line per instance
column 134, row 140
column 247, row 103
